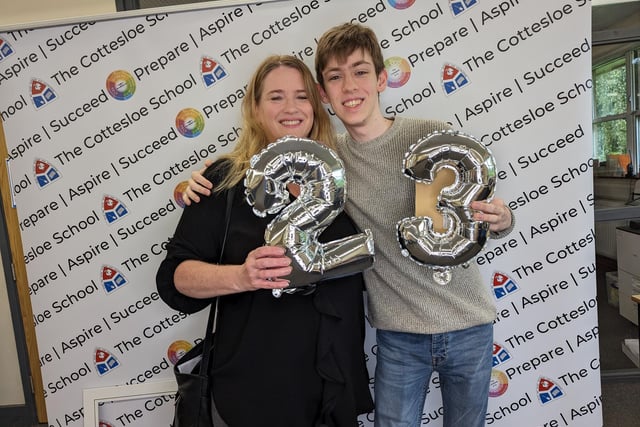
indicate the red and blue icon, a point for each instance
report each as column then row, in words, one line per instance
column 112, row 279
column 113, row 209
column 41, row 93
column 459, row 6
column 548, row 390
column 45, row 173
column 5, row 49
column 500, row 355
column 502, row 285
column 212, row 72
column 105, row 362
column 453, row 79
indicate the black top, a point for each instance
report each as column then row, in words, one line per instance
column 292, row 361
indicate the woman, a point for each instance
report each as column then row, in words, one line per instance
column 292, row 361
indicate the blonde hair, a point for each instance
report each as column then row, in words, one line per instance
column 253, row 138
column 341, row 41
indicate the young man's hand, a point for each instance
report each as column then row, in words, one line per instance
column 496, row 213
column 198, row 185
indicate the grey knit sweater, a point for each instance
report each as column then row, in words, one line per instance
column 401, row 294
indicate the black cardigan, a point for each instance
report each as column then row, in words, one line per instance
column 294, row 361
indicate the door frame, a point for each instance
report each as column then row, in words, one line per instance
column 14, row 255
column 21, row 414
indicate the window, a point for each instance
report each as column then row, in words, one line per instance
column 616, row 118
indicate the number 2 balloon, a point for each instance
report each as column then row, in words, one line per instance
column 475, row 177
column 320, row 174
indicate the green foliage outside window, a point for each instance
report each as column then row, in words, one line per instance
column 610, row 94
column 609, row 137
column 610, row 106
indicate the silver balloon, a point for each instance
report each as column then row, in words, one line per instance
column 475, row 178
column 320, row 174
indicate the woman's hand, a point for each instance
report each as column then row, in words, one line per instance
column 496, row 213
column 264, row 267
column 198, row 185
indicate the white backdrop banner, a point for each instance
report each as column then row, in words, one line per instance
column 105, row 120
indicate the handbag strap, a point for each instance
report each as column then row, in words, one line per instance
column 213, row 313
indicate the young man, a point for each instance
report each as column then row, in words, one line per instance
column 421, row 326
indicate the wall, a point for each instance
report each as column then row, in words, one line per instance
column 29, row 11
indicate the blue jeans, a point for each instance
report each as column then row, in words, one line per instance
column 405, row 362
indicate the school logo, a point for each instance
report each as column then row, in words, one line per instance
column 502, row 285
column 44, row 173
column 179, row 191
column 5, row 49
column 41, row 94
column 177, row 349
column 121, row 85
column 500, row 354
column 453, row 79
column 190, row 122
column 211, row 71
column 548, row 390
column 112, row 279
column 459, row 6
column 398, row 71
column 401, row 4
column 498, row 384
column 113, row 209
column 104, row 361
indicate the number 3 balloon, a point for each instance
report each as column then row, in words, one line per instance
column 320, row 174
column 475, row 176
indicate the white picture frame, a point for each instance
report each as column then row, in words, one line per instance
column 92, row 397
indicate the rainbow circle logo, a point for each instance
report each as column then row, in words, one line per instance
column 179, row 191
column 498, row 384
column 398, row 71
column 177, row 349
column 121, row 85
column 401, row 4
column 190, row 122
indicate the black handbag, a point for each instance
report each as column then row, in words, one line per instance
column 194, row 406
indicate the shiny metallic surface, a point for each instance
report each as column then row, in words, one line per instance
column 475, row 178
column 298, row 223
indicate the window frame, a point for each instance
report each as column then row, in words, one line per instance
column 632, row 114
